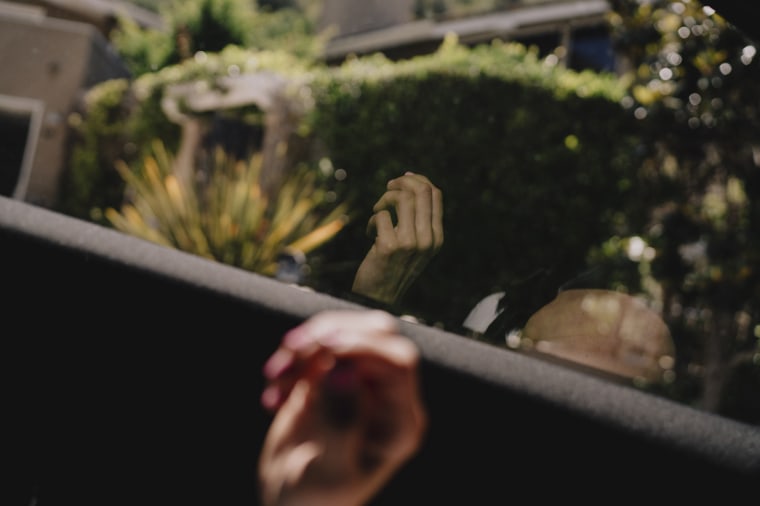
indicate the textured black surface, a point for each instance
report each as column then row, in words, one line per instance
column 133, row 376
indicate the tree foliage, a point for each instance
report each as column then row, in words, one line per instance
column 694, row 82
column 527, row 185
column 193, row 26
column 650, row 177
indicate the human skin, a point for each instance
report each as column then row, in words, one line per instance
column 401, row 250
column 348, row 413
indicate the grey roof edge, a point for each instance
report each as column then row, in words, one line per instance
column 37, row 18
column 481, row 27
column 110, row 8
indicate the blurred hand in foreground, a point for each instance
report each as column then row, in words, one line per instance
column 345, row 392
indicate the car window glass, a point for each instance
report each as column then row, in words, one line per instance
column 597, row 162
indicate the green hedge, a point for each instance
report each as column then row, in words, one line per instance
column 536, row 164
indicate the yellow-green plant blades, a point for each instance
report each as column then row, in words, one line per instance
column 229, row 218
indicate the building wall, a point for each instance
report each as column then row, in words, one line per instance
column 350, row 17
column 546, row 24
column 52, row 61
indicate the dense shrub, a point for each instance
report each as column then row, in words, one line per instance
column 209, row 26
column 118, row 120
column 535, row 163
column 525, row 152
column 99, row 134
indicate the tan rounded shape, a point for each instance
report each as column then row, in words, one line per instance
column 605, row 330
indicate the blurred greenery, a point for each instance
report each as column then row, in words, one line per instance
column 227, row 218
column 118, row 120
column 98, row 137
column 696, row 81
column 642, row 181
column 210, row 26
column 513, row 143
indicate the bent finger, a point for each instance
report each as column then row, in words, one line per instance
column 429, row 208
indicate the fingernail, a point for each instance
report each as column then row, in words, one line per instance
column 270, row 397
column 295, row 338
column 277, row 364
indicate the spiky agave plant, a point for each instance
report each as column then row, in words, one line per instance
column 229, row 218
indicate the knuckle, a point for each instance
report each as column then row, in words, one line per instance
column 385, row 246
column 406, row 197
column 407, row 245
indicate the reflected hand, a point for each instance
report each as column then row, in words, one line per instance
column 345, row 391
column 401, row 251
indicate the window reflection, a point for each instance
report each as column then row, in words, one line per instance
column 597, row 189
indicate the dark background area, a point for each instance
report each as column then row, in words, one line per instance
column 741, row 14
column 14, row 130
column 133, row 376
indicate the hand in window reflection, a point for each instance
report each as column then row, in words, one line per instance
column 402, row 249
